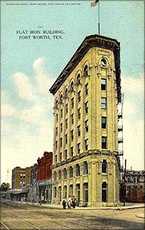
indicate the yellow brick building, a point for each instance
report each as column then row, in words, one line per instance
column 87, row 92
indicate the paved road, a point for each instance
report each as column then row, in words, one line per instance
column 25, row 217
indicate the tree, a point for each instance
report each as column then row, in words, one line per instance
column 4, row 187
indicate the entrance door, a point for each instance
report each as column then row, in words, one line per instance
column 85, row 194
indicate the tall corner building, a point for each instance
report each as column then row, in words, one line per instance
column 86, row 94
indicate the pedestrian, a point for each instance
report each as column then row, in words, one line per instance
column 69, row 203
column 64, row 204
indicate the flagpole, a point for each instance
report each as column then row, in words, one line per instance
column 99, row 25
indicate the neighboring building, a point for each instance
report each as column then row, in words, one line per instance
column 33, row 195
column 87, row 92
column 44, row 177
column 135, row 186
column 21, row 177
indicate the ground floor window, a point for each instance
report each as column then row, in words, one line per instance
column 78, row 194
column 65, row 192
column 85, row 194
column 59, row 193
column 71, row 190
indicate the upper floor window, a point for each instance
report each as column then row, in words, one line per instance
column 79, row 131
column 86, row 144
column 55, row 159
column 103, row 102
column 79, row 113
column 59, row 174
column 86, row 107
column 61, row 127
column 104, row 142
column 55, row 176
column 77, row 170
column 56, row 117
column 61, row 113
column 66, row 108
column 72, row 118
column 60, row 142
column 65, row 173
column 103, row 84
column 78, row 148
column 85, row 168
column 72, row 102
column 86, row 71
column 66, row 123
column 65, row 154
column 72, row 86
column 79, row 79
column 71, row 171
column 72, row 135
column 71, row 152
column 56, row 131
column 79, row 96
column 86, row 126
column 66, row 139
column 103, row 122
column 86, row 89
column 104, row 166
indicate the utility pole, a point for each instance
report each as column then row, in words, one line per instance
column 94, row 3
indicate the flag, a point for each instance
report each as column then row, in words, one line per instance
column 94, row 2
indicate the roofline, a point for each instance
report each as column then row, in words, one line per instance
column 89, row 42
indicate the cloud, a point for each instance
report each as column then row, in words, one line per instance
column 23, row 86
column 7, row 110
column 133, row 85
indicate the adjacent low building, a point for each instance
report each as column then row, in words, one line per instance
column 21, row 177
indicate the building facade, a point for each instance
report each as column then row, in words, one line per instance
column 44, row 177
column 21, row 177
column 87, row 92
column 135, row 186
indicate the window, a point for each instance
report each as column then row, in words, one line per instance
column 65, row 173
column 72, row 103
column 61, row 113
column 79, row 113
column 103, row 103
column 78, row 148
column 85, row 168
column 60, row 142
column 86, row 89
column 72, row 86
column 86, row 70
column 71, row 152
column 86, row 126
column 103, row 122
column 104, row 142
column 104, row 192
column 60, row 157
column 56, row 144
column 72, row 135
column 103, row 84
column 71, row 171
column 104, row 166
column 56, row 131
column 72, row 118
column 55, row 158
column 71, row 190
column 66, row 123
column 77, row 170
column 56, row 117
column 86, row 107
column 66, row 108
column 61, row 127
column 66, row 139
column 59, row 174
column 86, row 144
column 79, row 79
column 79, row 131
column 55, row 176
column 65, row 93
column 79, row 96
column 61, row 98
column 65, row 154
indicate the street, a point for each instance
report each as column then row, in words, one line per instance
column 35, row 217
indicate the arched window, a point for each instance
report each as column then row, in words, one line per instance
column 55, row 176
column 78, row 79
column 61, row 98
column 66, row 92
column 104, row 166
column 85, row 168
column 104, row 192
column 59, row 174
column 71, row 171
column 71, row 86
column 86, row 70
column 65, row 173
column 77, row 170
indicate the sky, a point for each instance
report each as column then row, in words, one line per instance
column 29, row 67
